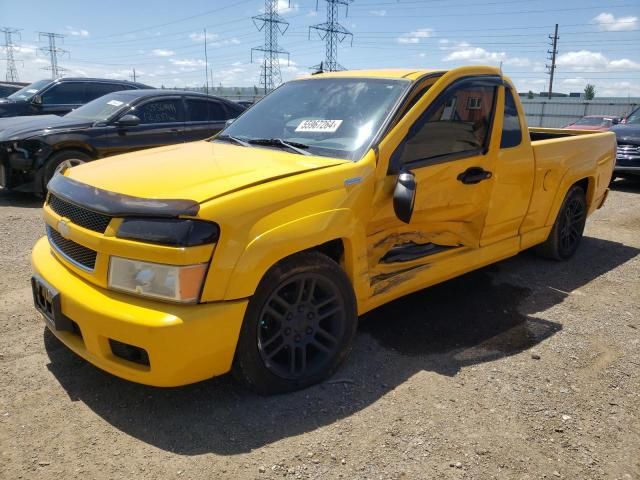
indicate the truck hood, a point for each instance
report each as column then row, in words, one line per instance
column 196, row 171
column 19, row 128
column 627, row 133
column 12, row 108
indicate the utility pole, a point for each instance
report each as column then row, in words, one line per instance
column 206, row 62
column 53, row 51
column 332, row 33
column 133, row 75
column 273, row 25
column 12, row 71
column 552, row 68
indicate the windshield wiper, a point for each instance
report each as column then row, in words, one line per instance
column 278, row 142
column 233, row 139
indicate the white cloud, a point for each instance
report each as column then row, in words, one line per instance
column 222, row 43
column 378, row 13
column 415, row 36
column 161, row 52
column 77, row 32
column 609, row 23
column 187, row 62
column 465, row 52
column 586, row 60
column 199, row 36
column 284, row 6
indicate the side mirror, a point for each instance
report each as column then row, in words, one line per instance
column 229, row 122
column 128, row 120
column 615, row 121
column 36, row 100
column 404, row 196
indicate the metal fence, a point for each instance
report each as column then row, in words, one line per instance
column 558, row 112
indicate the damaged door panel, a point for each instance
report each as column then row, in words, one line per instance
column 452, row 137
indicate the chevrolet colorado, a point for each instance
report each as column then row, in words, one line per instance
column 257, row 250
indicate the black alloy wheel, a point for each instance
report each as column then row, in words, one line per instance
column 572, row 225
column 565, row 236
column 300, row 326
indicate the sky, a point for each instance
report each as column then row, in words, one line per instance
column 164, row 40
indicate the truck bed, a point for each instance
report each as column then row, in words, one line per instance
column 557, row 152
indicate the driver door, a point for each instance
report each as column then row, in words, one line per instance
column 449, row 148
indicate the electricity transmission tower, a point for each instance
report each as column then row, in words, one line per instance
column 53, row 51
column 332, row 33
column 12, row 71
column 273, row 25
column 553, row 52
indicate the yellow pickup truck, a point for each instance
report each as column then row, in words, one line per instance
column 255, row 251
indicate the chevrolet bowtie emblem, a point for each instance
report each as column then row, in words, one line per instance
column 63, row 228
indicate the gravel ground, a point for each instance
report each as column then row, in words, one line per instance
column 526, row 369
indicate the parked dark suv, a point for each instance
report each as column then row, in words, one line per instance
column 57, row 97
column 7, row 89
column 628, row 155
column 32, row 148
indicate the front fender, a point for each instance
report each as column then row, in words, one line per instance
column 266, row 249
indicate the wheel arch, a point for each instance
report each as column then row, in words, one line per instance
column 587, row 183
column 333, row 233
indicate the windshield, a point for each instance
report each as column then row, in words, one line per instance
column 26, row 93
column 335, row 117
column 634, row 118
column 101, row 109
column 594, row 121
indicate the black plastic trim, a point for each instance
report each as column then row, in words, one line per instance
column 412, row 251
column 117, row 204
column 169, row 231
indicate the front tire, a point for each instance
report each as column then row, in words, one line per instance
column 565, row 236
column 59, row 160
column 299, row 325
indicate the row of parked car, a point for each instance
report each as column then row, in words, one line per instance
column 73, row 120
column 627, row 130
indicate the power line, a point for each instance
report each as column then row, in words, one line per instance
column 553, row 52
column 273, row 25
column 53, row 51
column 332, row 33
column 12, row 71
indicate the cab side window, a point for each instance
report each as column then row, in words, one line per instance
column 202, row 110
column 67, row 93
column 511, row 130
column 96, row 90
column 458, row 123
column 160, row 111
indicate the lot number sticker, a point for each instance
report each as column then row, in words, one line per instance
column 115, row 103
column 318, row 125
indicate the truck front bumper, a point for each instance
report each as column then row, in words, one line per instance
column 182, row 344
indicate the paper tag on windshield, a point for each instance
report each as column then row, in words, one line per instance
column 318, row 125
column 32, row 90
column 115, row 103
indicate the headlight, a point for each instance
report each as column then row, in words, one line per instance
column 166, row 282
column 167, row 231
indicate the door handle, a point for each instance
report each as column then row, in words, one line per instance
column 473, row 175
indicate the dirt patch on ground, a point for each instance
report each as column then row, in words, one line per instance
column 526, row 369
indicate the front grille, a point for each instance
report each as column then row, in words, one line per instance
column 628, row 149
column 82, row 256
column 79, row 215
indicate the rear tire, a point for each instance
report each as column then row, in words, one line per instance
column 565, row 236
column 299, row 325
column 57, row 161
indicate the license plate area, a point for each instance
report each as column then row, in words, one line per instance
column 47, row 301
